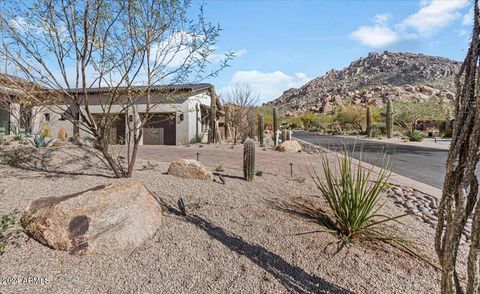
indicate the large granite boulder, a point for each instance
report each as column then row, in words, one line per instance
column 104, row 220
column 289, row 146
column 189, row 169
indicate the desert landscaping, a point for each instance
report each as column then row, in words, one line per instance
column 248, row 236
column 218, row 146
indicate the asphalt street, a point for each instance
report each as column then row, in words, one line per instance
column 422, row 164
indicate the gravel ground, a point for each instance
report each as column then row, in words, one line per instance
column 241, row 237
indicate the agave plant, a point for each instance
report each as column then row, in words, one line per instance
column 40, row 141
column 352, row 192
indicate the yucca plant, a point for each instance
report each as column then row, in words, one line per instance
column 352, row 192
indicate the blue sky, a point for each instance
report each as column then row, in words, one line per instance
column 283, row 44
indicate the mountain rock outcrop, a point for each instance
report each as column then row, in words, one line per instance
column 373, row 80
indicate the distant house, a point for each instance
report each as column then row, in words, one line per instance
column 15, row 110
column 178, row 113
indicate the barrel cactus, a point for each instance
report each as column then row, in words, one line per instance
column 260, row 129
column 249, row 159
column 275, row 125
column 389, row 119
column 369, row 122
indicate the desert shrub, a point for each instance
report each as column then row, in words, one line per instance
column 409, row 112
column 197, row 139
column 414, row 136
column 352, row 192
column 10, row 229
column 377, row 132
column 46, row 131
column 352, row 117
column 295, row 122
column 309, row 120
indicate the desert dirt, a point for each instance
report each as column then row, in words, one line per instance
column 242, row 237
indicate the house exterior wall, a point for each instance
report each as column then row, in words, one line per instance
column 182, row 106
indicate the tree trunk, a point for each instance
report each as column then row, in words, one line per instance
column 111, row 162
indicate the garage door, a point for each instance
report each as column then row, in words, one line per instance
column 160, row 129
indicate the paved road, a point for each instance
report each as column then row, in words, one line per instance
column 425, row 165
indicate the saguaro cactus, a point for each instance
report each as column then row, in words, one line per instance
column 249, row 159
column 260, row 129
column 369, row 122
column 275, row 125
column 251, row 124
column 226, row 127
column 389, row 119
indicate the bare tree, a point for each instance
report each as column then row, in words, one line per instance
column 460, row 199
column 70, row 47
column 240, row 102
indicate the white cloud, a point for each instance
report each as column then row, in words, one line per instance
column 375, row 36
column 468, row 18
column 382, row 18
column 432, row 16
column 217, row 57
column 378, row 35
column 269, row 85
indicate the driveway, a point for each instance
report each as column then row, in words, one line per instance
column 426, row 165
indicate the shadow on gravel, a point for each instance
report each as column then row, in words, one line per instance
column 304, row 209
column 55, row 162
column 292, row 277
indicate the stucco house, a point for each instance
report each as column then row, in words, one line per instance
column 178, row 114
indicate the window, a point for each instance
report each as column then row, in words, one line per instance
column 47, row 116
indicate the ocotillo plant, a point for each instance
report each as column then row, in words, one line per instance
column 369, row 122
column 275, row 125
column 389, row 119
column 260, row 129
column 249, row 159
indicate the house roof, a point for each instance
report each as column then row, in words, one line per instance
column 173, row 87
column 14, row 86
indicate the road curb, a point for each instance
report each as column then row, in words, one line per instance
column 395, row 178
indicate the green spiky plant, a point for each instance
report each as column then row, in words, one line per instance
column 352, row 192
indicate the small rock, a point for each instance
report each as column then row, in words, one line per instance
column 417, row 194
column 189, row 169
column 289, row 146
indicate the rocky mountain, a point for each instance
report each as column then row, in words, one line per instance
column 373, row 80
